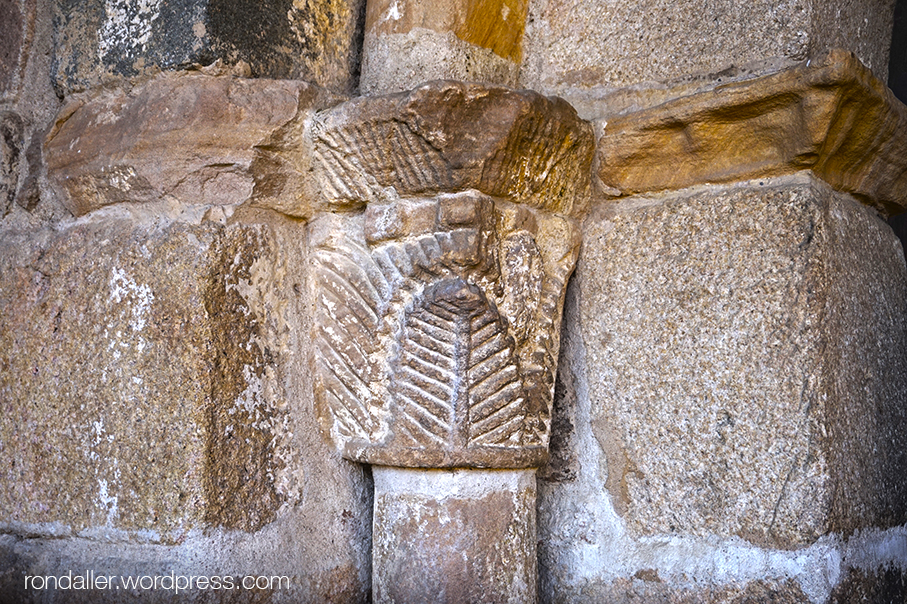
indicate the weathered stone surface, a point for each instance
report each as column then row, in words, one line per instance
column 160, row 359
column 731, row 362
column 454, row 536
column 883, row 585
column 830, row 116
column 20, row 163
column 138, row 382
column 435, row 346
column 450, row 136
column 151, row 388
column 192, row 137
column 748, row 347
column 409, row 42
column 11, row 152
column 316, row 41
column 437, row 318
column 574, row 48
column 16, row 30
column 27, row 105
column 647, row 587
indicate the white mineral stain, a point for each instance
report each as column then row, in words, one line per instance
column 127, row 27
column 391, row 14
column 108, row 502
column 124, row 288
column 250, row 400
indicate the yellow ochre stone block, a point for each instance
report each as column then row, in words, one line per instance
column 493, row 24
column 830, row 116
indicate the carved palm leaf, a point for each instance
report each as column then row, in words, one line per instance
column 349, row 298
column 456, row 381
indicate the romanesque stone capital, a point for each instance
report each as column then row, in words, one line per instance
column 441, row 251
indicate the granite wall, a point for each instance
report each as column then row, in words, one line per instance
column 730, row 407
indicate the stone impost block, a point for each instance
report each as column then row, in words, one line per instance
column 451, row 136
column 441, row 253
column 454, row 536
column 409, row 42
column 746, row 347
column 317, row 41
column 580, row 48
column 831, row 116
column 195, row 138
column 139, row 383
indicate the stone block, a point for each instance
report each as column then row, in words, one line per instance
column 419, row 362
column 451, row 136
column 139, row 384
column 574, row 49
column 734, row 382
column 314, row 41
column 442, row 245
column 831, row 116
column 27, row 105
column 748, row 361
column 158, row 418
column 883, row 585
column 195, row 138
column 410, row 42
column 647, row 587
column 426, row 522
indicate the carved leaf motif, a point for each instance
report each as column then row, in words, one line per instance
column 348, row 309
column 455, row 380
column 425, row 378
column 358, row 160
column 497, row 407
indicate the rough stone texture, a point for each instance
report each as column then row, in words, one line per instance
column 572, row 48
column 410, row 42
column 27, row 104
column 397, row 62
column 704, row 331
column 647, row 587
column 562, row 464
column 16, row 32
column 454, row 536
column 314, row 40
column 11, row 152
column 831, row 116
column 136, row 391
column 191, row 137
column 334, row 555
column 883, row 586
column 16, row 23
column 151, row 388
column 312, row 515
column 451, row 136
column 436, row 330
column 748, row 345
column 437, row 318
